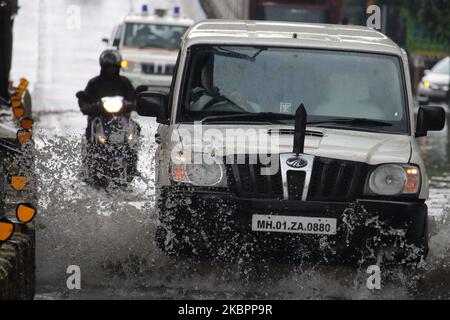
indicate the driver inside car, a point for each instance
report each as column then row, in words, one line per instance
column 204, row 94
column 142, row 36
column 146, row 36
column 207, row 95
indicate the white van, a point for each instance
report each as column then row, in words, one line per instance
column 280, row 137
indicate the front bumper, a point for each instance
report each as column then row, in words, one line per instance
column 224, row 216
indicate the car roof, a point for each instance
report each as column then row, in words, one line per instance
column 326, row 36
column 154, row 19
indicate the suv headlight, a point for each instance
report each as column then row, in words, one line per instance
column 209, row 173
column 394, row 179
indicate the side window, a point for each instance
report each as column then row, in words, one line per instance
column 117, row 36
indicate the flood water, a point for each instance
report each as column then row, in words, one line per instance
column 110, row 235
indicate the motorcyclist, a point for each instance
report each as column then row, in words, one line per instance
column 108, row 84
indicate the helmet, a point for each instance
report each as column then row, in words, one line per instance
column 110, row 58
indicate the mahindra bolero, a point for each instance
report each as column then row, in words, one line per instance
column 278, row 139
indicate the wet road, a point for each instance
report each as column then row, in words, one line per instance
column 110, row 235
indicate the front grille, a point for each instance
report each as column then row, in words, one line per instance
column 336, row 180
column 296, row 183
column 158, row 69
column 331, row 180
column 247, row 181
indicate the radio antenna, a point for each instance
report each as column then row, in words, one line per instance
column 300, row 130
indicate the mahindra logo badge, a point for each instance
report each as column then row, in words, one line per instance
column 297, row 162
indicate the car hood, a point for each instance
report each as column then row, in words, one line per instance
column 150, row 55
column 437, row 78
column 368, row 147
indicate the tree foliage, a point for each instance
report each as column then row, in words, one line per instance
column 432, row 15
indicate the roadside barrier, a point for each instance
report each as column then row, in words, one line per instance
column 17, row 238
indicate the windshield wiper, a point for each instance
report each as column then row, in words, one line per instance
column 238, row 55
column 263, row 116
column 353, row 121
column 277, row 117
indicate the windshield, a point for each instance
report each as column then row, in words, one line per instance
column 146, row 36
column 442, row 67
column 291, row 13
column 331, row 84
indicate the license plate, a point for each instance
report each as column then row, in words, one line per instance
column 294, row 224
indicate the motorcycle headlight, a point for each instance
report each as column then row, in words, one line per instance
column 112, row 104
column 209, row 173
column 394, row 179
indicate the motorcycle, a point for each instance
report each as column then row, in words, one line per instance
column 110, row 151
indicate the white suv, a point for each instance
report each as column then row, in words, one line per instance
column 149, row 44
column 279, row 137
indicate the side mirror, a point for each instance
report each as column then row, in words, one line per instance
column 141, row 89
column 430, row 119
column 105, row 40
column 153, row 104
column 145, row 88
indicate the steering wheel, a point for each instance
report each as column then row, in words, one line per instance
column 220, row 98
